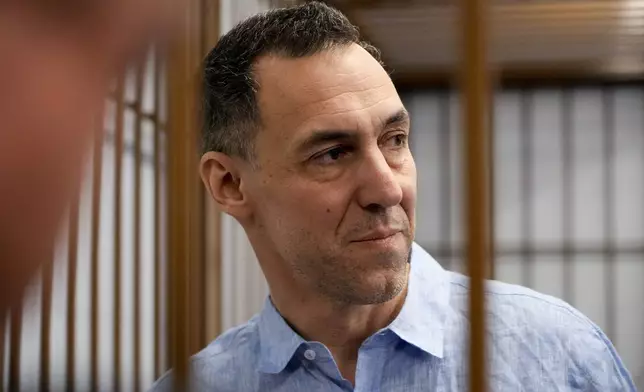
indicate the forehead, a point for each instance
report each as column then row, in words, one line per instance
column 344, row 87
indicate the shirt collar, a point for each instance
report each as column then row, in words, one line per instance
column 278, row 342
column 420, row 322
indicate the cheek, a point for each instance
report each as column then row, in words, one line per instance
column 303, row 206
column 409, row 187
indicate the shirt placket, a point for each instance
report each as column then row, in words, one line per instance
column 370, row 366
column 317, row 358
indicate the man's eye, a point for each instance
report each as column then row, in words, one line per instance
column 331, row 155
column 398, row 140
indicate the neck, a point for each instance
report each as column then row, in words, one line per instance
column 337, row 325
column 341, row 327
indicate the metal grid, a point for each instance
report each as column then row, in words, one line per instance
column 112, row 137
column 573, row 165
column 137, row 228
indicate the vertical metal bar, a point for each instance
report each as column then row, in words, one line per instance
column 527, row 123
column 179, row 92
column 45, row 325
column 475, row 114
column 97, row 178
column 195, row 276
column 212, row 235
column 178, row 245
column 157, row 213
column 608, row 115
column 14, row 348
column 183, row 67
column 3, row 324
column 445, row 186
column 71, row 293
column 567, row 193
column 118, row 173
column 200, row 218
column 137, row 226
column 491, row 157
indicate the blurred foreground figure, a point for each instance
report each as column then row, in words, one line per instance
column 306, row 145
column 57, row 58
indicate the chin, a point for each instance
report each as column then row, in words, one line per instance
column 382, row 287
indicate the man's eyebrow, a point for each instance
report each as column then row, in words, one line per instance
column 326, row 136
column 398, row 118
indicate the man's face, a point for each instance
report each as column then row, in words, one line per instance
column 335, row 189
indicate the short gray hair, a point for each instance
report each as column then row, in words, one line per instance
column 230, row 108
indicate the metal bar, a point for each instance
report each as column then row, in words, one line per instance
column 45, row 326
column 196, row 273
column 184, row 64
column 567, row 187
column 137, row 227
column 546, row 250
column 118, row 173
column 72, row 251
column 491, row 273
column 608, row 115
column 14, row 348
column 97, row 178
column 212, row 236
column 445, row 186
column 178, row 217
column 157, row 216
column 128, row 148
column 556, row 75
column 527, row 123
column 132, row 106
column 3, row 324
column 178, row 252
column 475, row 115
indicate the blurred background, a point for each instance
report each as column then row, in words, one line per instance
column 568, row 175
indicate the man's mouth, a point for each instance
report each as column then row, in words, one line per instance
column 378, row 235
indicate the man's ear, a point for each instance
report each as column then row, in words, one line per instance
column 221, row 175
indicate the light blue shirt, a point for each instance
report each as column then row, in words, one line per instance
column 536, row 343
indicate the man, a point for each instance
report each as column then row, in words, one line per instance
column 56, row 61
column 306, row 144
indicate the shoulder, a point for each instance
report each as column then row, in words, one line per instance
column 220, row 366
column 520, row 303
column 546, row 328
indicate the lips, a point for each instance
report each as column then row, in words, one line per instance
column 379, row 234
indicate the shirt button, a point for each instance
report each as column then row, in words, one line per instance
column 309, row 354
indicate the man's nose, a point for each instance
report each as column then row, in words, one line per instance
column 378, row 186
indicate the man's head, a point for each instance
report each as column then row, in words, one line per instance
column 306, row 146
